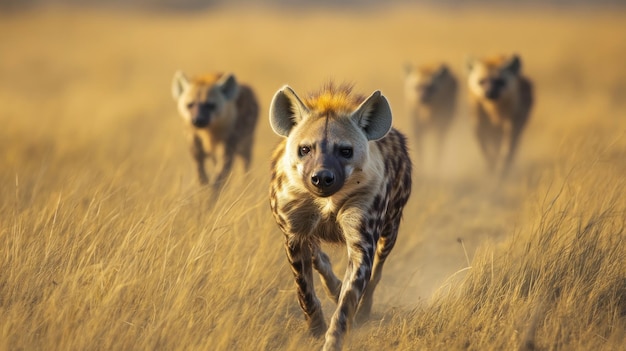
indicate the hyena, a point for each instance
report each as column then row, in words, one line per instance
column 500, row 99
column 430, row 93
column 220, row 115
column 341, row 175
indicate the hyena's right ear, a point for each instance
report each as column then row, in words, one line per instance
column 286, row 110
column 180, row 83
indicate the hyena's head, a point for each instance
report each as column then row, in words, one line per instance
column 494, row 77
column 328, row 134
column 423, row 83
column 205, row 100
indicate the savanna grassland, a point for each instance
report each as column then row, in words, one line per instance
column 107, row 243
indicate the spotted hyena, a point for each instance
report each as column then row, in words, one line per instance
column 500, row 100
column 220, row 116
column 430, row 92
column 341, row 175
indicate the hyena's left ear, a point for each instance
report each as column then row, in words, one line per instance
column 179, row 84
column 286, row 110
column 514, row 65
column 229, row 86
column 373, row 116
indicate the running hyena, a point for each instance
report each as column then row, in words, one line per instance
column 430, row 92
column 220, row 115
column 500, row 99
column 341, row 175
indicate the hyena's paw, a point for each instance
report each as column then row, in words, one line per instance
column 364, row 310
column 317, row 326
column 203, row 179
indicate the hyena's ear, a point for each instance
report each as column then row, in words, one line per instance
column 514, row 65
column 286, row 110
column 373, row 116
column 228, row 86
column 180, row 83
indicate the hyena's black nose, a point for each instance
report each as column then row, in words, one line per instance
column 323, row 178
column 200, row 122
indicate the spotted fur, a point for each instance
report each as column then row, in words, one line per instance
column 349, row 136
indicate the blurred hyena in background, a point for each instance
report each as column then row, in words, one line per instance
column 430, row 92
column 500, row 101
column 220, row 115
column 342, row 174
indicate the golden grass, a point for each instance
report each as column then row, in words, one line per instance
column 107, row 243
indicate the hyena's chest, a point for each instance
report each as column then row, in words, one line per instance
column 301, row 216
column 312, row 220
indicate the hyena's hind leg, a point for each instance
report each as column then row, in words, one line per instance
column 332, row 284
column 384, row 246
column 199, row 155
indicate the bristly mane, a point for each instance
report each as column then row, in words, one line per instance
column 333, row 99
column 207, row 79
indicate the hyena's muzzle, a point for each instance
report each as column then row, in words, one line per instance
column 493, row 87
column 201, row 114
column 323, row 174
column 426, row 93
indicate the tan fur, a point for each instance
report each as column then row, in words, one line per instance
column 363, row 212
column 430, row 92
column 231, row 112
column 500, row 99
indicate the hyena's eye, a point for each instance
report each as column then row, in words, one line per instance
column 190, row 105
column 345, row 152
column 304, row 150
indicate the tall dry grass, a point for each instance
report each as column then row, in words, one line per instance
column 108, row 244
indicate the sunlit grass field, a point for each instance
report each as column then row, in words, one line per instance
column 107, row 243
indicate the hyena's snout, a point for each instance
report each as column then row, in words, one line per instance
column 323, row 178
column 493, row 88
column 326, row 178
column 201, row 114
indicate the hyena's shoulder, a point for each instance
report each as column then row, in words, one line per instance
column 247, row 107
column 394, row 150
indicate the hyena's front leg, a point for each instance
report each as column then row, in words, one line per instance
column 331, row 283
column 229, row 154
column 384, row 246
column 513, row 141
column 199, row 155
column 300, row 256
column 360, row 255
